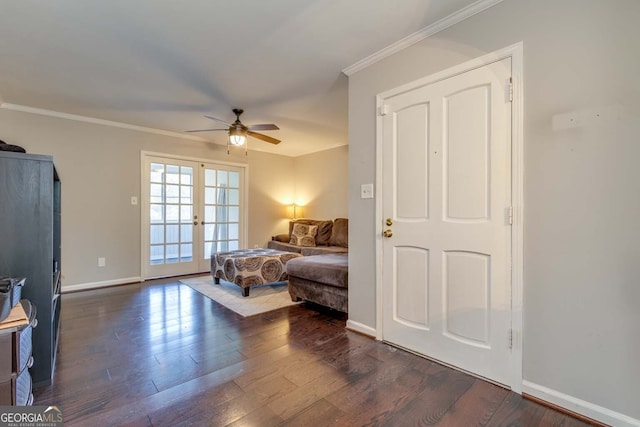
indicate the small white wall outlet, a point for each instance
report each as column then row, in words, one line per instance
column 134, row 200
column 102, row 262
column 366, row 191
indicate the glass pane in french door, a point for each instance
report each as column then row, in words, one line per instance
column 222, row 209
column 172, row 204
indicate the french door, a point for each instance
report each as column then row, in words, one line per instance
column 222, row 210
column 189, row 210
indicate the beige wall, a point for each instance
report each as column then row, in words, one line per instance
column 581, row 251
column 322, row 183
column 100, row 170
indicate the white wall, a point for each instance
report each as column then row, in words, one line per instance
column 581, row 292
column 100, row 170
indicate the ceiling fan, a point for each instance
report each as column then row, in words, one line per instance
column 238, row 131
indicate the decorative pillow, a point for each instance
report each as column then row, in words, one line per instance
column 303, row 235
column 324, row 229
column 340, row 233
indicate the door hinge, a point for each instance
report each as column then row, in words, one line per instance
column 384, row 110
column 509, row 215
column 510, row 338
column 510, row 89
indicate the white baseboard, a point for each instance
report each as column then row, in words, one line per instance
column 97, row 285
column 579, row 406
column 363, row 329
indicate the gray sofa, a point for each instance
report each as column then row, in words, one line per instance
column 322, row 274
column 332, row 237
column 322, row 279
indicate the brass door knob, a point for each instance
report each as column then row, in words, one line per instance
column 389, row 222
column 387, row 233
column 195, row 222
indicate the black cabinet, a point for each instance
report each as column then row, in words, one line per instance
column 30, row 246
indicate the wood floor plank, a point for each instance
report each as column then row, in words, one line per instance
column 320, row 414
column 271, row 388
column 220, row 413
column 305, row 373
column 263, row 417
column 443, row 387
column 179, row 411
column 376, row 398
column 355, row 365
column 142, row 421
column 517, row 411
column 475, row 407
column 161, row 354
column 295, row 359
column 302, row 397
column 183, row 393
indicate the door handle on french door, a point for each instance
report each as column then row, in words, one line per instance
column 387, row 233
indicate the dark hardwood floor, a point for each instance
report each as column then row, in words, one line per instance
column 161, row 354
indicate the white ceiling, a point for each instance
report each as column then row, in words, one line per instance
column 163, row 64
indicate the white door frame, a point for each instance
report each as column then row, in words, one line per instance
column 144, row 235
column 515, row 52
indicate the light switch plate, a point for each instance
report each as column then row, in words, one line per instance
column 366, row 191
column 134, row 200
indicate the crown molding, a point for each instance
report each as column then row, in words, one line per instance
column 436, row 27
column 85, row 119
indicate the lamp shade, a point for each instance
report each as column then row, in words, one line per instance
column 294, row 211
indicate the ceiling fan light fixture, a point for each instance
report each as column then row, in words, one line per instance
column 239, row 132
column 237, row 137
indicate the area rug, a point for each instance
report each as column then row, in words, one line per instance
column 260, row 300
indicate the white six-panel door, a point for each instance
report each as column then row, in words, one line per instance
column 446, row 194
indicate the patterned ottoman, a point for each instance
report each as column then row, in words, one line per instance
column 250, row 267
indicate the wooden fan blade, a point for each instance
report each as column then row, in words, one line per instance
column 270, row 126
column 264, row 137
column 204, row 130
column 218, row 120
